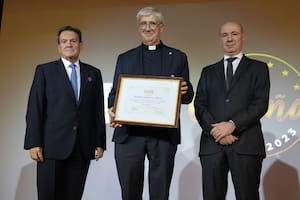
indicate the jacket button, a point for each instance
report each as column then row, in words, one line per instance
column 227, row 100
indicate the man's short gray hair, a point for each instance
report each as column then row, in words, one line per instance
column 150, row 10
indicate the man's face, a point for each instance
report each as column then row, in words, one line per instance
column 69, row 45
column 232, row 38
column 150, row 29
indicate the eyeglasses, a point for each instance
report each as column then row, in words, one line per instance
column 152, row 25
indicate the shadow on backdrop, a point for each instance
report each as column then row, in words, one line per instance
column 280, row 182
column 190, row 181
column 26, row 188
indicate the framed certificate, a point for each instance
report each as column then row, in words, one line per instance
column 148, row 100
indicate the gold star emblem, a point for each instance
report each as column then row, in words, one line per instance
column 297, row 87
column 285, row 72
column 270, row 64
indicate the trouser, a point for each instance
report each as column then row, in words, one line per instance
column 245, row 172
column 62, row 179
column 130, row 158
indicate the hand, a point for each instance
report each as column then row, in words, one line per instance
column 227, row 140
column 99, row 153
column 36, row 153
column 222, row 129
column 184, row 87
column 111, row 117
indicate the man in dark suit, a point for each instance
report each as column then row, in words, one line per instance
column 65, row 120
column 229, row 106
column 132, row 142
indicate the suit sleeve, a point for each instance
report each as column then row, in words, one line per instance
column 202, row 114
column 188, row 97
column 112, row 94
column 259, row 100
column 101, row 133
column 35, row 111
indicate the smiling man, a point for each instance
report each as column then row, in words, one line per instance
column 232, row 96
column 65, row 126
column 133, row 143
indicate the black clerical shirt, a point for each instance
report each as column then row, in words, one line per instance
column 152, row 65
column 152, row 60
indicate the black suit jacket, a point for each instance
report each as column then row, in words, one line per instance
column 174, row 62
column 54, row 119
column 245, row 103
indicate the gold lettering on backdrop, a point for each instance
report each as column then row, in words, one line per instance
column 279, row 110
column 294, row 111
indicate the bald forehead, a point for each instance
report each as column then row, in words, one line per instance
column 232, row 25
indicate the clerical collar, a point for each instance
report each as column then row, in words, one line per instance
column 152, row 47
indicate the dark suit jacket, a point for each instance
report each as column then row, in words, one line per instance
column 53, row 117
column 174, row 62
column 245, row 103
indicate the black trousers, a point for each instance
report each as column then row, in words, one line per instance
column 62, row 179
column 130, row 157
column 245, row 172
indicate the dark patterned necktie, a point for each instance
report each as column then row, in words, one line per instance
column 229, row 71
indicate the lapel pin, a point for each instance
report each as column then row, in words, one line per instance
column 89, row 79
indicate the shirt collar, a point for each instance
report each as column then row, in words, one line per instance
column 68, row 63
column 238, row 56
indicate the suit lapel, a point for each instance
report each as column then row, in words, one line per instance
column 243, row 65
column 167, row 59
column 83, row 80
column 219, row 67
column 139, row 56
column 63, row 76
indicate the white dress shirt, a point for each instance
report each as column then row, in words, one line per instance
column 235, row 63
column 69, row 70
